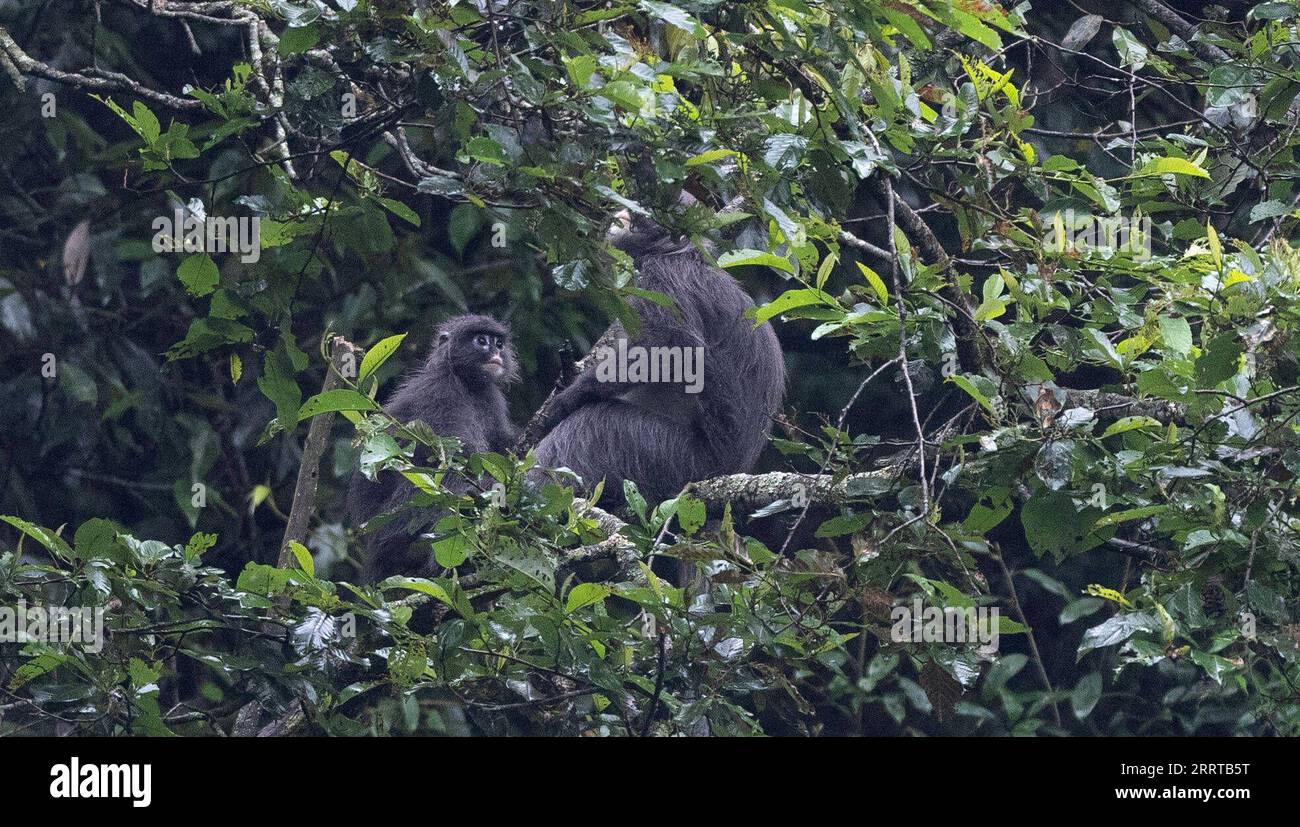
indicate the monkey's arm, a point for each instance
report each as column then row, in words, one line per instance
column 579, row 390
column 503, row 435
column 659, row 327
column 586, row 389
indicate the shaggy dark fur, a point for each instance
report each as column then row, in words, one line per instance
column 457, row 393
column 656, row 434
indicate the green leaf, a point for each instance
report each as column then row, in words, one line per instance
column 417, row 584
column 845, row 524
column 1176, row 334
column 464, row 223
column 42, row 664
column 586, row 594
column 1219, row 361
column 1214, row 666
column 1216, row 246
column 971, row 26
column 295, row 41
column 905, row 24
column 1133, row 54
column 709, row 157
column 989, row 511
column 339, row 399
column 452, row 551
column 1115, row 630
column 264, row 580
column 690, row 514
column 1054, row 525
column 1003, row 670
column 400, row 210
column 1085, row 695
column 95, row 538
column 303, row 556
column 661, row 299
column 974, row 393
column 1130, row 514
column 1265, row 210
column 1103, row 348
column 635, row 500
column 199, row 274
column 1130, row 423
column 53, row 542
column 486, row 150
column 789, row 300
column 754, row 258
column 876, row 282
column 1170, row 166
column 580, row 69
column 990, row 309
column 635, row 98
column 1273, row 11
column 278, row 385
column 1080, row 608
column 378, row 354
column 674, row 16
column 1007, row 626
column 146, row 123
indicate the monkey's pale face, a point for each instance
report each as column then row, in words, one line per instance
column 491, row 350
column 484, row 354
column 477, row 349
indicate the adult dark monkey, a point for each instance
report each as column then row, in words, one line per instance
column 457, row 393
column 660, row 434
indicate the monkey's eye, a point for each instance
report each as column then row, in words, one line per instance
column 498, row 342
column 481, row 341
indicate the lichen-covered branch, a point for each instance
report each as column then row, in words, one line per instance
column 1107, row 407
column 751, row 490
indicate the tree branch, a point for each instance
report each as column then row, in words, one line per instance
column 760, row 489
column 973, row 352
column 1185, row 30
column 1107, row 407
column 304, row 491
column 104, row 81
column 1141, row 551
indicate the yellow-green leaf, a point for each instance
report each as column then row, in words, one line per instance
column 876, row 282
column 1170, row 166
column 379, row 354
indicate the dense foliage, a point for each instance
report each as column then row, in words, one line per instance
column 1032, row 268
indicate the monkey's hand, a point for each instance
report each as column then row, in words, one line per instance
column 584, row 390
column 561, row 406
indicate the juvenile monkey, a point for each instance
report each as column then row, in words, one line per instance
column 457, row 393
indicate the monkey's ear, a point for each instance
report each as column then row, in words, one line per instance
column 444, row 337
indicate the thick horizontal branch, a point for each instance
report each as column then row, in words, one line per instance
column 204, row 12
column 1111, row 406
column 100, row 81
column 760, row 489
